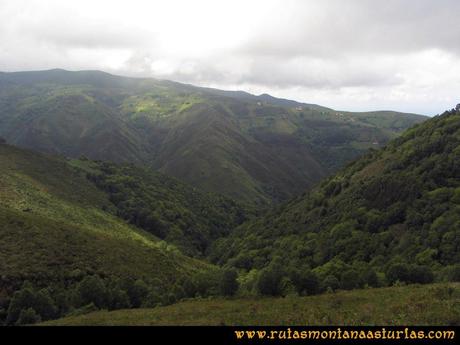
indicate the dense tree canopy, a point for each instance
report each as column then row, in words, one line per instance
column 390, row 216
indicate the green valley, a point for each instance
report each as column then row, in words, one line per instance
column 164, row 206
column 153, row 202
column 263, row 168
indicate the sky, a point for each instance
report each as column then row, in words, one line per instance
column 350, row 55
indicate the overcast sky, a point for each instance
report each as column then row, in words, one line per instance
column 345, row 54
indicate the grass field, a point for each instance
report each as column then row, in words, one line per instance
column 435, row 304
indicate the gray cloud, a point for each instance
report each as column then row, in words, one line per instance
column 337, row 27
column 317, row 73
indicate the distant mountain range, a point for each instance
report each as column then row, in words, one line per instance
column 256, row 149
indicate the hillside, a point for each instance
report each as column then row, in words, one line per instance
column 164, row 206
column 58, row 231
column 411, row 305
column 257, row 149
column 389, row 217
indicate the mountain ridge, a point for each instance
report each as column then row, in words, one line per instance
column 262, row 149
column 393, row 212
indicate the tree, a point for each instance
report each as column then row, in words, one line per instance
column 2, row 140
column 455, row 273
column 207, row 283
column 397, row 271
column 370, row 278
column 331, row 282
column 350, row 279
column 189, row 287
column 420, row 274
column 92, row 290
column 45, row 305
column 305, row 281
column 22, row 299
column 269, row 282
column 137, row 292
column 28, row 317
column 118, row 298
column 27, row 297
column 153, row 299
column 229, row 283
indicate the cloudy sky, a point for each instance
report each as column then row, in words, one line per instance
column 351, row 55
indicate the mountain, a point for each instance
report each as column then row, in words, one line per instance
column 53, row 220
column 64, row 246
column 256, row 149
column 391, row 216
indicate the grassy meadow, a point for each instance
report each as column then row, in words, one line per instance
column 434, row 304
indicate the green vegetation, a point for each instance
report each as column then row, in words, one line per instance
column 256, row 149
column 390, row 217
column 165, row 207
column 87, row 293
column 436, row 304
column 79, row 236
column 57, row 229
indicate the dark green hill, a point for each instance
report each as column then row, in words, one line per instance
column 164, row 206
column 258, row 149
column 392, row 215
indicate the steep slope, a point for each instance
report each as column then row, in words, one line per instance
column 394, row 212
column 44, row 112
column 258, row 149
column 57, row 227
column 164, row 206
column 208, row 149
